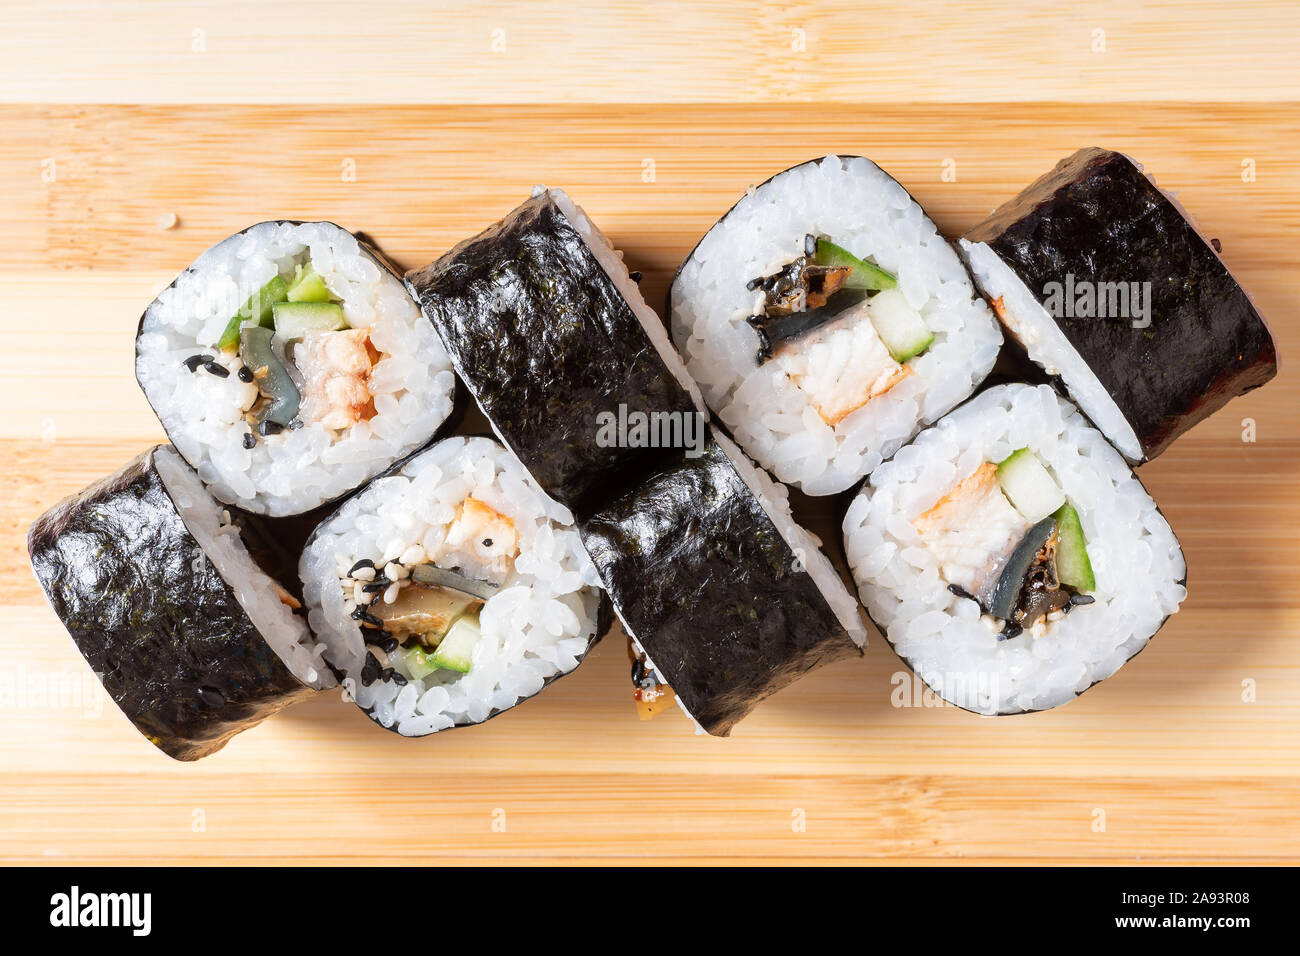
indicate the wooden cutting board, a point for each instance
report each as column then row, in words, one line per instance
column 410, row 123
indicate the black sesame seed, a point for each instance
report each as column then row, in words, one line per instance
column 634, row 276
column 220, row 371
column 1011, row 630
column 753, row 284
column 376, row 586
column 211, row 697
column 960, row 591
column 250, row 440
column 269, row 428
column 1081, row 599
column 296, row 424
column 395, row 677
column 245, row 374
column 194, row 361
column 487, row 542
column 363, row 563
column 370, row 670
column 365, row 617
column 638, row 671
column 1218, row 246
column 388, row 645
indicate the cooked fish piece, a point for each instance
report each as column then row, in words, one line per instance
column 480, row 537
column 973, row 530
column 842, row 366
column 336, row 368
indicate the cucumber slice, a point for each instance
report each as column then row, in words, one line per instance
column 256, row 311
column 865, row 275
column 1029, row 486
column 456, row 651
column 308, row 286
column 293, row 320
column 1072, row 564
column 419, row 663
column 899, row 325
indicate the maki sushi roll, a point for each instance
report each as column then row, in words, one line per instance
column 725, row 598
column 176, row 604
column 289, row 366
column 449, row 590
column 1109, row 287
column 1010, row 556
column 826, row 320
column 549, row 332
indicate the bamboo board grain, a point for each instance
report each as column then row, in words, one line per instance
column 672, row 51
column 1176, row 762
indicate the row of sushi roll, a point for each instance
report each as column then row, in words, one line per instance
column 311, row 525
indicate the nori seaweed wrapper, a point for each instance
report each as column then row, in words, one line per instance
column 545, row 341
column 710, row 589
column 1098, row 218
column 152, row 616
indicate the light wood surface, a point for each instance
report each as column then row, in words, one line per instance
column 447, row 136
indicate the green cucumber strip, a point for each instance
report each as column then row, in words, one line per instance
column 899, row 325
column 419, row 663
column 308, row 286
column 1072, row 564
column 1029, row 486
column 865, row 275
column 455, row 651
column 256, row 311
column 292, row 320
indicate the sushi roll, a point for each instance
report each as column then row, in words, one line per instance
column 1109, row 287
column 826, row 320
column 1010, row 556
column 726, row 598
column 289, row 366
column 550, row 334
column 449, row 590
column 166, row 596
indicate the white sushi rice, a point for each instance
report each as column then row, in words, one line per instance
column 203, row 414
column 857, row 205
column 1136, row 559
column 1023, row 315
column 283, row 630
column 537, row 627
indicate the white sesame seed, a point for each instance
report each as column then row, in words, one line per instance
column 167, row 220
column 394, row 572
column 349, row 607
column 366, row 574
column 358, row 595
column 391, row 594
column 413, row 555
